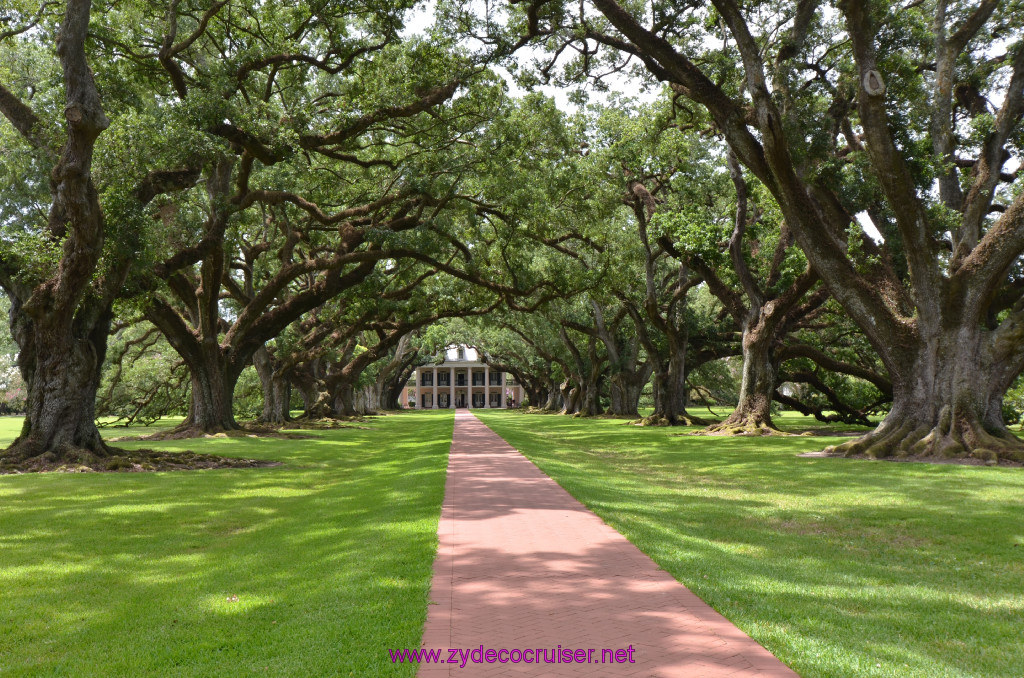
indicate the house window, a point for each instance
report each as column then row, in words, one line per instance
column 427, row 401
column 426, row 379
column 478, row 379
column 462, row 353
column 495, row 400
column 444, row 379
column 478, row 400
column 495, row 378
column 460, row 379
column 442, row 401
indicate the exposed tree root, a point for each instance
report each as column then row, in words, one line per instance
column 244, row 431
column 80, row 460
column 725, row 429
column 948, row 439
column 535, row 410
column 326, row 423
column 742, row 425
column 684, row 419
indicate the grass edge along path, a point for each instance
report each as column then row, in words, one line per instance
column 838, row 567
column 315, row 567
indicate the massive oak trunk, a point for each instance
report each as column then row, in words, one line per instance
column 61, row 369
column 391, row 394
column 947, row 402
column 303, row 378
column 587, row 375
column 590, row 391
column 590, row 399
column 753, row 411
column 554, row 401
column 670, row 393
column 277, row 390
column 624, row 389
column 546, row 394
column 627, row 375
column 539, row 395
column 570, row 397
column 213, row 388
column 345, row 400
column 391, row 398
column 353, row 401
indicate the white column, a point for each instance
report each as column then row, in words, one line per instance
column 419, row 379
column 451, row 384
column 502, row 403
column 487, row 386
column 435, row 389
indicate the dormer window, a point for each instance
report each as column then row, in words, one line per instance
column 462, row 353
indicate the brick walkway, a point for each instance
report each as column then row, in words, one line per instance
column 521, row 564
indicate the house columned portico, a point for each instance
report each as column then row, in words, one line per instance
column 461, row 381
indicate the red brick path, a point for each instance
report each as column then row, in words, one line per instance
column 521, row 564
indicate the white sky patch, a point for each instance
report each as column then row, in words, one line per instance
column 420, row 19
column 865, row 222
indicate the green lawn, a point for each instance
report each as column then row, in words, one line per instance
column 840, row 567
column 313, row 568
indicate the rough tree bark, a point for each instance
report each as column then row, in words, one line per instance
column 947, row 402
column 345, row 400
column 570, row 393
column 554, row 400
column 277, row 391
column 395, row 383
column 303, row 377
column 670, row 388
column 213, row 387
column 61, row 369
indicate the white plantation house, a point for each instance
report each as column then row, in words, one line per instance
column 461, row 380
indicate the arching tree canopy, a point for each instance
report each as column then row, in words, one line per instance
column 826, row 194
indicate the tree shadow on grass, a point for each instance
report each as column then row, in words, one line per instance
column 835, row 567
column 308, row 569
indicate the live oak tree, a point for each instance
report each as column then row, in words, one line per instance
column 70, row 239
column 641, row 159
column 909, row 114
column 750, row 263
column 326, row 134
column 629, row 366
column 63, row 265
